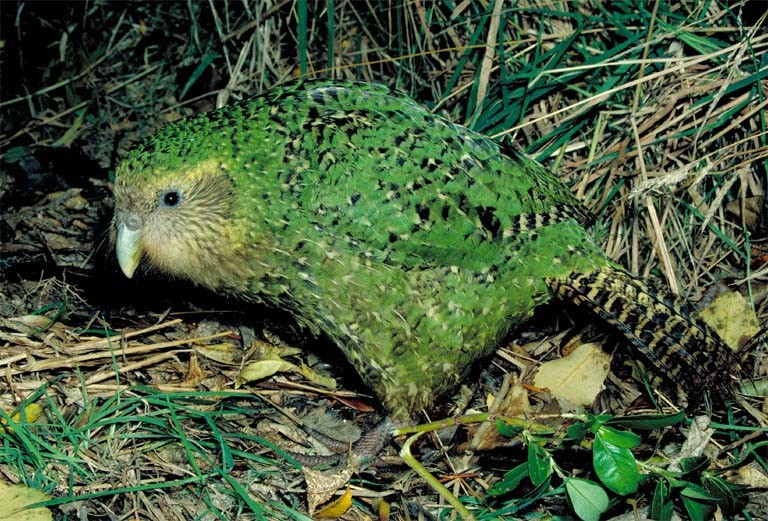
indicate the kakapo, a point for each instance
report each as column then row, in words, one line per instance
column 413, row 243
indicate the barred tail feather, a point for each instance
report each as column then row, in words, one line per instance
column 667, row 332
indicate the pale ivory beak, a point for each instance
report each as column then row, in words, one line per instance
column 128, row 244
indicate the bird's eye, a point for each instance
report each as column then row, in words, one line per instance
column 170, row 198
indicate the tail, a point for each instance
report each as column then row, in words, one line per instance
column 666, row 331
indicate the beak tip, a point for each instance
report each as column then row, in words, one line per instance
column 127, row 271
column 128, row 250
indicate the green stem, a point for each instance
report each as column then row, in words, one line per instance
column 523, row 423
column 432, row 481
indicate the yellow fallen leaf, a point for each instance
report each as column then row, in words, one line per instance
column 316, row 378
column 731, row 316
column 271, row 361
column 264, row 369
column 224, row 353
column 384, row 509
column 31, row 412
column 577, row 377
column 14, row 500
column 337, row 508
column 264, row 349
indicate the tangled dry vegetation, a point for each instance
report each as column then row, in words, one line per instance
column 654, row 113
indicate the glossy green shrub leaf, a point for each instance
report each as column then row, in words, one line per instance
column 696, row 464
column 577, row 431
column 539, row 463
column 587, row 498
column 697, row 502
column 647, row 421
column 623, row 439
column 510, row 481
column 507, row 430
column 615, row 466
column 728, row 495
column 661, row 504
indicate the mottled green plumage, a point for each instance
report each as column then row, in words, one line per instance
column 413, row 243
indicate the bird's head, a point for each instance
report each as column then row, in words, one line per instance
column 176, row 213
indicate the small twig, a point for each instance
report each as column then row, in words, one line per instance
column 76, row 361
column 105, row 342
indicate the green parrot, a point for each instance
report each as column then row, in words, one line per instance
column 413, row 243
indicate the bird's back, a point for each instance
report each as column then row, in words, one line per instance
column 415, row 243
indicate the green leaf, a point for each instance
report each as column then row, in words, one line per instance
column 539, row 463
column 600, row 419
column 698, row 503
column 694, row 464
column 588, row 499
column 510, row 481
column 647, row 421
column 701, row 44
column 301, row 34
column 577, row 431
column 16, row 154
column 696, row 492
column 615, row 466
column 623, row 439
column 69, row 136
column 199, row 70
column 726, row 494
column 507, row 430
column 661, row 506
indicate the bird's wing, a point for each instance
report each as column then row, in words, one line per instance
column 408, row 185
